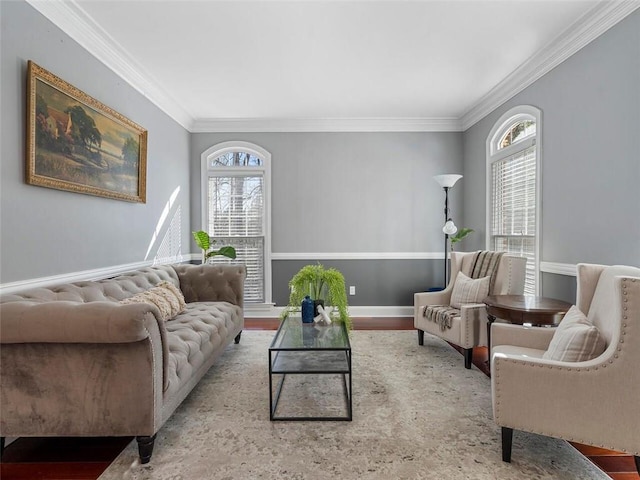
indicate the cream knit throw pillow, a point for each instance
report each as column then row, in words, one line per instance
column 166, row 296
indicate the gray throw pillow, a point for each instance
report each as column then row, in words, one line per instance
column 469, row 290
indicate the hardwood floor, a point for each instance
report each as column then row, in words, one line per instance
column 87, row 458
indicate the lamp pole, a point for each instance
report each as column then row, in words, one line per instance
column 446, row 235
column 446, row 182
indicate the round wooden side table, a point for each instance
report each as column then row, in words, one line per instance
column 521, row 309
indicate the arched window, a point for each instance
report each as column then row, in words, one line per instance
column 236, row 210
column 513, row 193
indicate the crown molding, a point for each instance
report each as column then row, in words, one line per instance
column 586, row 29
column 327, row 125
column 80, row 26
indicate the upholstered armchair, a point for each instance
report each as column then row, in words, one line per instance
column 464, row 324
column 580, row 381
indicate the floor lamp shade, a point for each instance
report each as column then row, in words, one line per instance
column 448, row 180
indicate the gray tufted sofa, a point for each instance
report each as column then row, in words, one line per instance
column 77, row 362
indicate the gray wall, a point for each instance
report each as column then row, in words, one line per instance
column 354, row 193
column 590, row 157
column 50, row 232
column 369, row 192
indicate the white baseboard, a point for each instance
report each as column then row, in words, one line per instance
column 271, row 311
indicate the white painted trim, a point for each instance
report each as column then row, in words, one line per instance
column 262, row 310
column 354, row 311
column 586, row 29
column 259, row 310
column 95, row 274
column 358, row 256
column 381, row 311
column 499, row 128
column 327, row 125
column 72, row 19
column 568, row 269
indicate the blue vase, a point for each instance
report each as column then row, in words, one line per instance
column 307, row 310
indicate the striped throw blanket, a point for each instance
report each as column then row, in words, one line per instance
column 441, row 314
column 484, row 264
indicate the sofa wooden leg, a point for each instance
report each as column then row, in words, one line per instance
column 145, row 448
column 507, row 441
column 468, row 357
column 420, row 337
column 2, row 439
column 637, row 459
column 237, row 339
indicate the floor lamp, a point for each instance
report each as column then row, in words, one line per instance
column 449, row 228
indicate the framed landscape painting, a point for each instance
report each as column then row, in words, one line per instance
column 76, row 143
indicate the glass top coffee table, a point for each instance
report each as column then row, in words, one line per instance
column 307, row 364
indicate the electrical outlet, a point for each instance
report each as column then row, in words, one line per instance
column 352, row 290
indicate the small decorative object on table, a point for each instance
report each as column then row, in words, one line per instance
column 318, row 303
column 322, row 318
column 307, row 310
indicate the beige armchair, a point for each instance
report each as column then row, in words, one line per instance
column 595, row 401
column 467, row 325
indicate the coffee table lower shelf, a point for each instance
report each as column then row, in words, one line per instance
column 293, row 362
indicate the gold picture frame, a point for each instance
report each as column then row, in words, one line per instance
column 78, row 144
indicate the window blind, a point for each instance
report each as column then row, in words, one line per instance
column 250, row 252
column 237, row 218
column 513, row 209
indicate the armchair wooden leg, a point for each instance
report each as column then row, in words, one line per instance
column 507, row 441
column 145, row 448
column 637, row 459
column 420, row 337
column 237, row 339
column 468, row 357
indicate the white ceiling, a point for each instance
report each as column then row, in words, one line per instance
column 345, row 65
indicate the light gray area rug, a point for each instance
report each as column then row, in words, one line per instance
column 417, row 414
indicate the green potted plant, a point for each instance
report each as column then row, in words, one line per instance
column 319, row 283
column 460, row 234
column 204, row 242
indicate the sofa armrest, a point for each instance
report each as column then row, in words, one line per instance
column 521, row 336
column 73, row 322
column 212, row 283
column 82, row 389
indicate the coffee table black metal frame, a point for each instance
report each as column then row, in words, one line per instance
column 317, row 350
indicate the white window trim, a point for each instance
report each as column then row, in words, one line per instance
column 493, row 154
column 226, row 147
